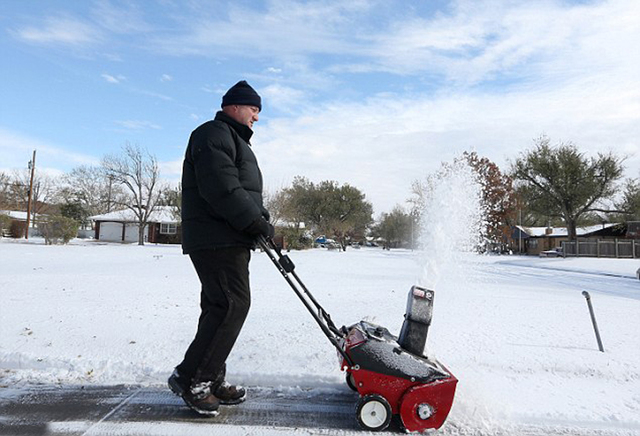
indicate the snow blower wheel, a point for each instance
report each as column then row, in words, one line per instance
column 373, row 412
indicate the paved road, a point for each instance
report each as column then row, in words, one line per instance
column 154, row 411
column 141, row 410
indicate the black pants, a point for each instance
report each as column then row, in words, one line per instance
column 224, row 301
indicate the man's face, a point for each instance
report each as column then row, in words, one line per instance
column 244, row 114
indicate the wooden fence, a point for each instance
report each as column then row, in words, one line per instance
column 616, row 248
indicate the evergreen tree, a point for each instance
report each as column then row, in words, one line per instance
column 559, row 181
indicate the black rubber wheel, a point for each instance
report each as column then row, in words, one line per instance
column 351, row 382
column 373, row 412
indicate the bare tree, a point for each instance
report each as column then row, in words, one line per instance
column 6, row 198
column 276, row 203
column 137, row 172
column 91, row 187
column 44, row 190
column 172, row 197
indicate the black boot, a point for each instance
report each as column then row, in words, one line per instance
column 228, row 394
column 197, row 396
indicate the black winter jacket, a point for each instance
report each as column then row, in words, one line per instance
column 221, row 186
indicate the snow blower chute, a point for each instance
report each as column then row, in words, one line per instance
column 391, row 374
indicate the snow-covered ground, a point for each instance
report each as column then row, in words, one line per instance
column 515, row 330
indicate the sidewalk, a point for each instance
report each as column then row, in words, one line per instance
column 135, row 410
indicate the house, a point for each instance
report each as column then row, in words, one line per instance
column 122, row 226
column 533, row 240
column 15, row 215
column 20, row 218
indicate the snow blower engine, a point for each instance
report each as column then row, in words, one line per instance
column 391, row 374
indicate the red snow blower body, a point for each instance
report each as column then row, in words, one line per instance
column 391, row 374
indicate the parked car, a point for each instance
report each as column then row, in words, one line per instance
column 324, row 242
column 320, row 240
column 556, row 252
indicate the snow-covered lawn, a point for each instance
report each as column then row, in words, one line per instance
column 515, row 330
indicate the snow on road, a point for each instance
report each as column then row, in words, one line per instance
column 515, row 330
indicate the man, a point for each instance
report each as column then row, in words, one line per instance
column 222, row 215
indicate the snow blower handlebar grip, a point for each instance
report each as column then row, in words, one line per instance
column 285, row 262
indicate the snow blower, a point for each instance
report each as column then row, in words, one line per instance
column 391, row 374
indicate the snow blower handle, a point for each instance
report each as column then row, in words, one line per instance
column 286, row 267
column 285, row 262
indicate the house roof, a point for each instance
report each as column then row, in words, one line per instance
column 14, row 214
column 161, row 214
column 537, row 232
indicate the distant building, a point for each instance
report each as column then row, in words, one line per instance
column 16, row 215
column 533, row 240
column 122, row 226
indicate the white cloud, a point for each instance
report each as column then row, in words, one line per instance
column 383, row 144
column 211, row 90
column 151, row 94
column 138, row 125
column 486, row 75
column 113, row 79
column 287, row 28
column 60, row 30
column 283, row 97
column 482, row 40
column 171, row 170
column 166, row 78
column 126, row 18
column 16, row 149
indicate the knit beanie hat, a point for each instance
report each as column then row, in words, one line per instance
column 242, row 93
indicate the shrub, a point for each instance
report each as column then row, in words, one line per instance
column 5, row 224
column 294, row 238
column 58, row 229
column 17, row 229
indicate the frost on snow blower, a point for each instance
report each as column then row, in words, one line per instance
column 391, row 374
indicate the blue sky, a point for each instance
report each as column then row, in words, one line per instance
column 371, row 93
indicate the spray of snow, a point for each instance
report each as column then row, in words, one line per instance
column 452, row 222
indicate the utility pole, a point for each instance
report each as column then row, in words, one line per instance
column 32, row 167
column 110, row 177
column 520, row 234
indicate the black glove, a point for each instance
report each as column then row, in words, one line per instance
column 261, row 227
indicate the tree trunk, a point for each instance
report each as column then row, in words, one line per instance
column 141, row 234
column 571, row 229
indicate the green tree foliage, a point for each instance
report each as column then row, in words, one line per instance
column 75, row 210
column 395, row 228
column 340, row 212
column 5, row 224
column 629, row 206
column 58, row 229
column 559, row 181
